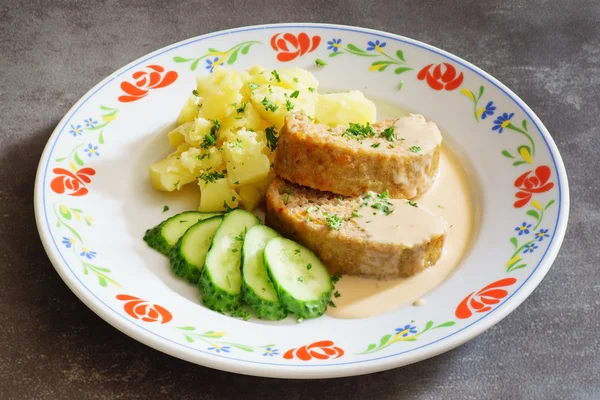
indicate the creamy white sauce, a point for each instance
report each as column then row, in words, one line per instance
column 407, row 224
column 449, row 198
column 414, row 130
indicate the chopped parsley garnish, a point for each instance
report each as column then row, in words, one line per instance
column 286, row 198
column 336, row 277
column 355, row 213
column 211, row 138
column 375, row 145
column 296, row 79
column 383, row 207
column 320, row 62
column 308, row 267
column 297, row 251
column 236, row 182
column 253, row 85
column 177, row 185
column 276, row 75
column 211, row 177
column 203, row 156
column 300, row 279
column 269, row 105
column 239, row 238
column 384, row 195
column 358, row 131
column 241, row 108
column 272, row 139
column 337, row 294
column 332, row 304
column 234, row 250
column 389, row 134
column 195, row 93
column 311, row 89
column 311, row 209
column 288, row 190
column 415, row 149
column 413, row 203
column 334, row 221
column 340, row 198
column 294, row 94
column 165, row 208
column 288, row 105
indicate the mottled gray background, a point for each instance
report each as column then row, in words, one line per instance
column 52, row 52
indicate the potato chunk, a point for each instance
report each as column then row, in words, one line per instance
column 342, row 108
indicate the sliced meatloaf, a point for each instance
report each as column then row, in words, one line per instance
column 337, row 229
column 398, row 155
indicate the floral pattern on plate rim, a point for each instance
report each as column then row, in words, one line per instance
column 443, row 76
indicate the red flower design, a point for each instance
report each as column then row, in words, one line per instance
column 443, row 76
column 144, row 310
column 528, row 185
column 154, row 77
column 322, row 350
column 483, row 300
column 74, row 183
column 290, row 46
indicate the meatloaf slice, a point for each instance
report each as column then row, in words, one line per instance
column 330, row 225
column 353, row 161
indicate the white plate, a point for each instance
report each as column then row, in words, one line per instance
column 93, row 202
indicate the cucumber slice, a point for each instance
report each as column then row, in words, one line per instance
column 257, row 289
column 188, row 255
column 221, row 278
column 166, row 234
column 300, row 278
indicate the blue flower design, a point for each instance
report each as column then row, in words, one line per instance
column 271, row 352
column 523, row 229
column 89, row 123
column 541, row 234
column 406, row 330
column 87, row 253
column 530, row 248
column 76, row 130
column 211, row 64
column 488, row 110
column 334, row 45
column 68, row 242
column 91, row 150
column 375, row 46
column 502, row 122
column 218, row 349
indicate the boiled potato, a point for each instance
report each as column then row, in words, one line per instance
column 248, row 118
column 341, row 108
column 215, row 195
column 177, row 136
column 170, row 174
column 274, row 102
column 190, row 110
column 198, row 160
column 218, row 91
column 297, row 79
column 198, row 130
column 249, row 197
column 246, row 162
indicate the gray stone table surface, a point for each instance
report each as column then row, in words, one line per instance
column 52, row 52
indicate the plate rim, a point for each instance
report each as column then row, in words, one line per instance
column 429, row 350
